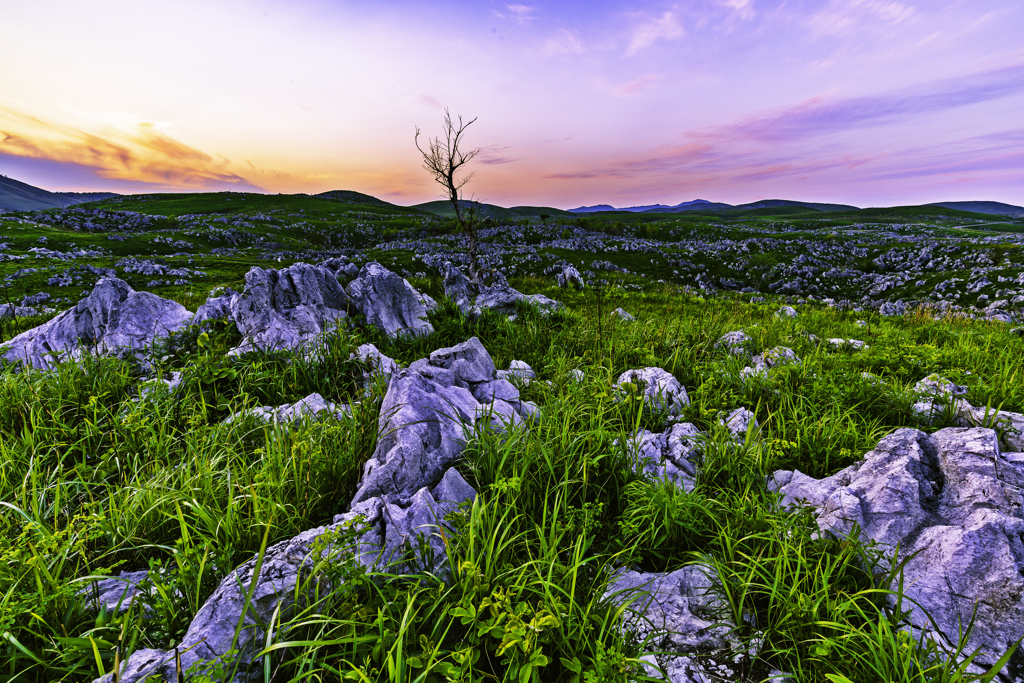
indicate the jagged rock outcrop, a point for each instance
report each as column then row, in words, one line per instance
column 622, row 315
column 408, row 487
column 660, row 389
column 570, row 277
column 288, row 308
column 426, row 414
column 472, row 298
column 389, row 302
column 954, row 501
column 384, row 528
column 113, row 319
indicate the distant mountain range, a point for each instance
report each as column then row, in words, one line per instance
column 705, row 205
column 18, row 196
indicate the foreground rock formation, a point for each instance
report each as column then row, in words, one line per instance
column 389, row 302
column 407, row 489
column 288, row 308
column 113, row 319
column 953, row 498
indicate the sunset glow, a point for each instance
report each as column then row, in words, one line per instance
column 868, row 102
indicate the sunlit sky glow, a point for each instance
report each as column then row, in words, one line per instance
column 868, row 102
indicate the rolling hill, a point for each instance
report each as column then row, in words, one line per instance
column 18, row 196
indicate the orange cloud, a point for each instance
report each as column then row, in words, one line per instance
column 136, row 153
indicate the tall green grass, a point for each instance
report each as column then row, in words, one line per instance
column 96, row 479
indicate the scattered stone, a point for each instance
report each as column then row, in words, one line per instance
column 786, row 312
column 519, row 371
column 472, row 298
column 113, row 319
column 114, row 594
column 622, row 315
column 661, row 391
column 313, row 406
column 840, row 343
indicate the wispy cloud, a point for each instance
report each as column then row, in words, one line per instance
column 743, row 8
column 638, row 85
column 523, row 14
column 139, row 153
column 563, row 42
column 806, row 140
column 666, row 27
column 844, row 16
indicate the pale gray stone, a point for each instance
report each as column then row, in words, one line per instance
column 287, row 309
column 389, row 302
column 736, row 343
column 954, row 501
column 113, row 319
column 660, row 389
column 570, row 277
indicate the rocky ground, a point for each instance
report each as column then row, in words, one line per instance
column 792, row 492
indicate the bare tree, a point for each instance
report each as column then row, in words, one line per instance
column 444, row 159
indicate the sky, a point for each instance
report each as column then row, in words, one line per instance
column 865, row 102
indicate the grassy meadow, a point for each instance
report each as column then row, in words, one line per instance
column 99, row 476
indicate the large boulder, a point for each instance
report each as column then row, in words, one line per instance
column 952, row 502
column 288, row 308
column 570, row 277
column 389, row 302
column 113, row 319
column 425, row 417
column 674, row 455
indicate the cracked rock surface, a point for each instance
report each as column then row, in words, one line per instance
column 954, row 499
column 114, row 318
column 408, row 488
column 288, row 308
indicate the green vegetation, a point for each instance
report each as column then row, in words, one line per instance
column 96, row 477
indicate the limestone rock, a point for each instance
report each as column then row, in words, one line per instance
column 786, row 312
column 473, row 298
column 287, row 309
column 380, row 367
column 681, row 614
column 113, row 319
column 389, row 302
column 570, row 277
column 313, row 406
column 217, row 306
column 661, row 390
column 736, row 343
column 739, row 422
column 956, row 501
column 623, row 315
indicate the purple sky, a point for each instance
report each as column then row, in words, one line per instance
column 868, row 102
